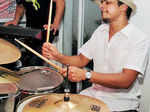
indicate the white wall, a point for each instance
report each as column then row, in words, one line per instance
column 142, row 17
column 67, row 28
column 92, row 13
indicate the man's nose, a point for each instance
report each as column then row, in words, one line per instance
column 101, row 6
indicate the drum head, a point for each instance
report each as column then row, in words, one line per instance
column 55, row 103
column 36, row 79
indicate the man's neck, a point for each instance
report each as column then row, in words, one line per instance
column 116, row 26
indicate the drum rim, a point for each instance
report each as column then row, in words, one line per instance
column 29, row 97
column 39, row 91
column 35, row 67
column 36, row 91
column 2, row 96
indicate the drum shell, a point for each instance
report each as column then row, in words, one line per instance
column 7, row 104
column 7, row 99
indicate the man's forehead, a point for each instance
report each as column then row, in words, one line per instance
column 130, row 3
column 101, row 1
column 109, row 0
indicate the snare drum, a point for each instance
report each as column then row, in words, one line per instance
column 39, row 79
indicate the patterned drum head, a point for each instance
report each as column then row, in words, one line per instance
column 37, row 79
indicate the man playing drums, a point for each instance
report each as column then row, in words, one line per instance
column 120, row 54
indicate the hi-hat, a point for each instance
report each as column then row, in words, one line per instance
column 3, row 69
column 8, row 74
column 8, row 52
column 55, row 103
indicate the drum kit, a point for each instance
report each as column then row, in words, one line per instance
column 39, row 83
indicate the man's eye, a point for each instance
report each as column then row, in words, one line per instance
column 102, row 1
column 107, row 2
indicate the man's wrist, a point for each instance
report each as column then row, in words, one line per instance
column 60, row 57
column 88, row 75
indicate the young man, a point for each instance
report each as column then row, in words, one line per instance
column 37, row 15
column 120, row 54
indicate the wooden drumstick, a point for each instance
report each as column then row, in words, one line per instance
column 49, row 21
column 39, row 55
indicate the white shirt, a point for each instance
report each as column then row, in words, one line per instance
column 126, row 49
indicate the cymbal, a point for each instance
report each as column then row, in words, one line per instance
column 10, row 75
column 4, row 80
column 55, row 103
column 9, row 52
column 7, row 70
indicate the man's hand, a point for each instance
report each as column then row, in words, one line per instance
column 54, row 27
column 13, row 22
column 50, row 51
column 76, row 74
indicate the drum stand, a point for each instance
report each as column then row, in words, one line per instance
column 66, row 90
column 66, row 102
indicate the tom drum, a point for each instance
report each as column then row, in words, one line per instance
column 39, row 79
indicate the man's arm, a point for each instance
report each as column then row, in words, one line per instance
column 115, row 80
column 78, row 61
column 50, row 51
column 18, row 14
column 123, row 79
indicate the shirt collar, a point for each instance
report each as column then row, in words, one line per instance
column 127, row 30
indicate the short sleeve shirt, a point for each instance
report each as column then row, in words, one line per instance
column 127, row 48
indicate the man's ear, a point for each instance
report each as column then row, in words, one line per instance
column 123, row 7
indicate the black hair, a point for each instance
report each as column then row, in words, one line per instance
column 129, row 10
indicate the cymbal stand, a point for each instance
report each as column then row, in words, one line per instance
column 66, row 99
column 67, row 90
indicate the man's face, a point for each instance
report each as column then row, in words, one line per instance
column 109, row 9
